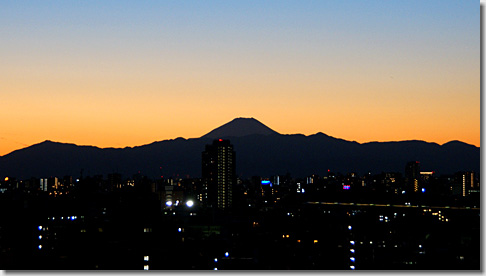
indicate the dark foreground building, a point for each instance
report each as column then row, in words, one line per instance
column 218, row 173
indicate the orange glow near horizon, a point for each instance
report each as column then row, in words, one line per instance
column 359, row 110
column 361, row 72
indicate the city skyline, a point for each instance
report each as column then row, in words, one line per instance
column 389, row 221
column 117, row 74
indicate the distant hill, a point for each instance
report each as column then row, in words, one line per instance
column 259, row 151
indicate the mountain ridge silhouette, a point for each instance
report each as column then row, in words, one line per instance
column 259, row 151
column 240, row 127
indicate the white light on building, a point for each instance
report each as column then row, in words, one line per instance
column 226, row 254
column 146, row 258
column 145, row 267
column 40, row 227
column 190, row 203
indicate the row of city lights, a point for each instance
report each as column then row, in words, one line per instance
column 68, row 218
column 352, row 251
column 169, row 203
column 40, row 236
column 146, row 258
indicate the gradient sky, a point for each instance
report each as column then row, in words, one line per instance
column 127, row 73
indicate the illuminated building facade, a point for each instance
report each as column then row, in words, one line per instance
column 218, row 173
column 412, row 175
column 465, row 184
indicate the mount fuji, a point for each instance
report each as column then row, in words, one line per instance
column 259, row 151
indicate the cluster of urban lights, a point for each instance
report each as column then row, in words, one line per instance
column 226, row 254
column 146, row 266
column 169, row 203
column 352, row 251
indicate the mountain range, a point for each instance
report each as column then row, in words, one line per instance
column 259, row 151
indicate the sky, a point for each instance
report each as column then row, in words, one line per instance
column 128, row 73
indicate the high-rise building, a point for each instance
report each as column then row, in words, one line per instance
column 43, row 184
column 412, row 175
column 465, row 184
column 218, row 173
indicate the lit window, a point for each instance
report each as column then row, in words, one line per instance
column 145, row 267
column 40, row 246
column 40, row 227
column 351, row 242
column 352, row 267
column 215, row 260
column 315, row 241
column 146, row 258
column 352, row 259
column 40, row 237
column 349, row 227
column 226, row 254
column 351, row 250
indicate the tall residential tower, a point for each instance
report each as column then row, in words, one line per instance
column 218, row 173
